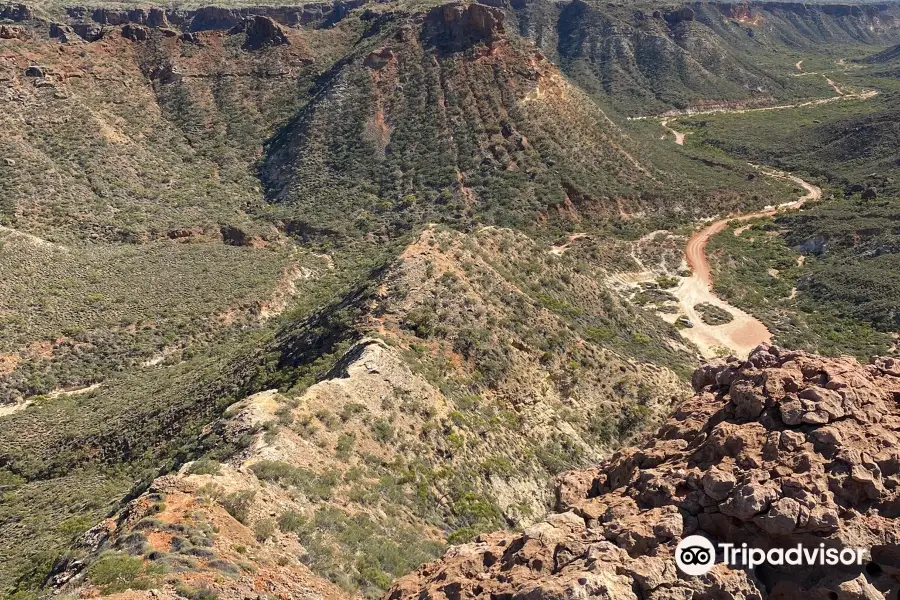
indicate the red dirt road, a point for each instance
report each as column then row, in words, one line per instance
column 745, row 331
column 695, row 251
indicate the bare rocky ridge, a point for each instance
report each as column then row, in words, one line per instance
column 784, row 448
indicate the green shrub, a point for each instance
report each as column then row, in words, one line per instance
column 314, row 485
column 383, row 431
column 345, row 444
column 712, row 314
column 238, row 504
column 349, row 410
column 263, row 529
column 204, row 466
column 666, row 283
column 421, row 321
column 114, row 572
column 291, row 521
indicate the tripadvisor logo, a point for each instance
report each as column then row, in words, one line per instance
column 696, row 555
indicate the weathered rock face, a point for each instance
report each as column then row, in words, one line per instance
column 15, row 12
column 212, row 17
column 454, row 27
column 90, row 32
column 260, row 31
column 785, row 448
column 10, row 32
column 135, row 33
column 678, row 15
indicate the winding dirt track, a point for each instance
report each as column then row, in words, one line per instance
column 745, row 331
column 679, row 137
column 695, row 251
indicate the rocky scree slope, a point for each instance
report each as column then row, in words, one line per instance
column 784, row 448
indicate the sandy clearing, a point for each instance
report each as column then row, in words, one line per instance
column 560, row 249
column 73, row 392
column 11, row 409
column 36, row 241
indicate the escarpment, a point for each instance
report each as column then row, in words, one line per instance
column 782, row 449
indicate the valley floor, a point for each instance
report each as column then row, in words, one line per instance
column 743, row 332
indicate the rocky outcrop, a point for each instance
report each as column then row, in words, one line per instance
column 457, row 26
column 260, row 31
column 135, row 33
column 11, row 32
column 379, row 59
column 15, row 12
column 90, row 32
column 219, row 18
column 153, row 17
column 214, row 17
column 679, row 15
column 782, row 449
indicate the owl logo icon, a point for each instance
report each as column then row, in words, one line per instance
column 695, row 555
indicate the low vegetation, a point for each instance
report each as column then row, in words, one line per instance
column 712, row 314
column 238, row 227
column 759, row 273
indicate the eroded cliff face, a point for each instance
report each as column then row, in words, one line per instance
column 643, row 58
column 782, row 449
